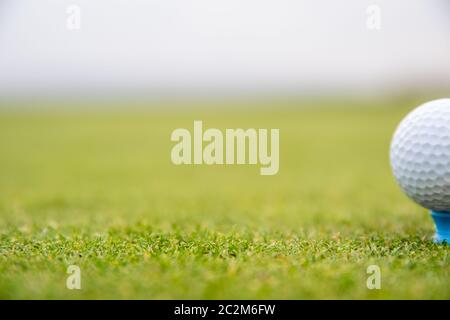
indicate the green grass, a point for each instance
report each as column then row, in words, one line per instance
column 97, row 189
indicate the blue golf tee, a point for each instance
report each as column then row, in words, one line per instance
column 442, row 222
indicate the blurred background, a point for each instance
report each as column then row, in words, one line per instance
column 179, row 48
column 98, row 189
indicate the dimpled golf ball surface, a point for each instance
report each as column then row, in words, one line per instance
column 420, row 155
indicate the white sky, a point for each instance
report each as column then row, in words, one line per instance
column 208, row 45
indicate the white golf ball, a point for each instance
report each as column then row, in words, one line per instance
column 420, row 155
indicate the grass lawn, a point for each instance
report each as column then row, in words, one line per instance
column 97, row 189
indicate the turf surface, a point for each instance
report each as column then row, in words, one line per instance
column 97, row 189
